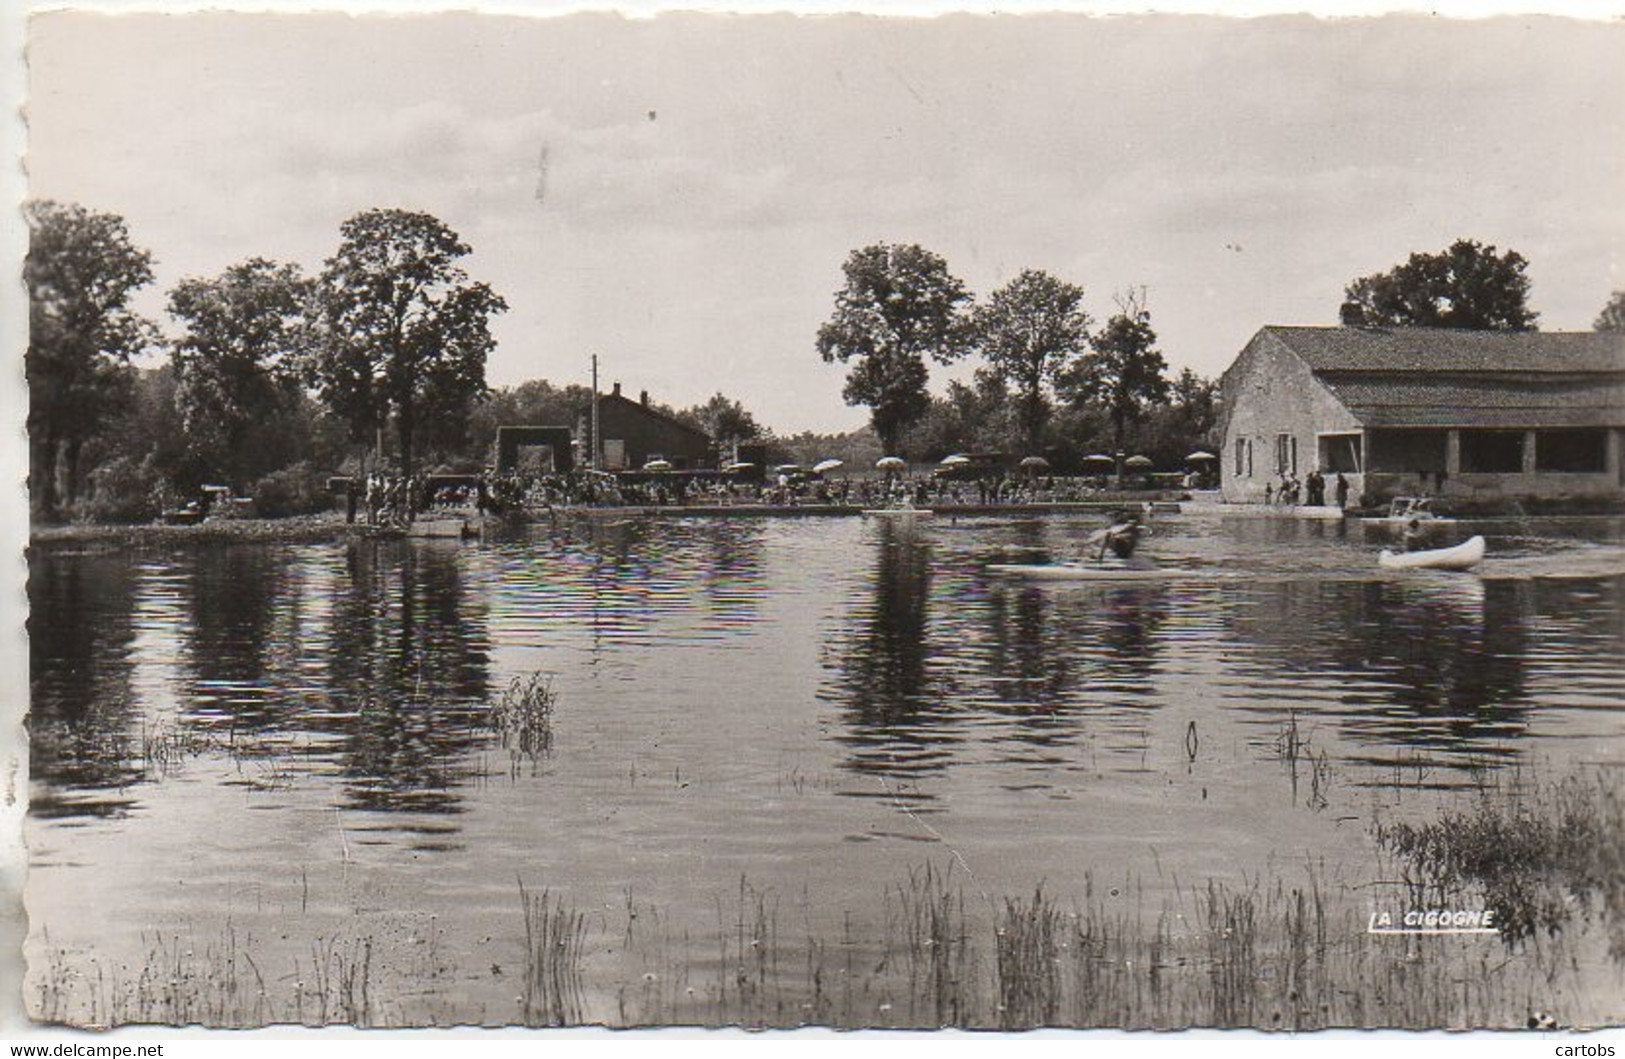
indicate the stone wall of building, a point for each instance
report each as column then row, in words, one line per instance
column 1273, row 407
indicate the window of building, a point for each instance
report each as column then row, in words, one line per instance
column 1241, row 455
column 1572, row 451
column 1294, row 445
column 1280, row 453
column 1492, row 451
column 1249, row 457
column 1340, row 452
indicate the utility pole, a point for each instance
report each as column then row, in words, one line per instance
column 592, row 460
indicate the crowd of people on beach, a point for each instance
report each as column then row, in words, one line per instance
column 384, row 499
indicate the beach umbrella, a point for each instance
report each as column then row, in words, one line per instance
column 1198, row 457
column 826, row 465
column 735, row 468
column 1036, row 463
column 889, row 463
column 1137, row 462
column 787, row 468
column 1096, row 457
column 956, row 461
column 657, row 465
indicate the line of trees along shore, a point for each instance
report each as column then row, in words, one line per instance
column 275, row 378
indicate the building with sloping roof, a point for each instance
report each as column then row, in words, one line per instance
column 1468, row 415
column 633, row 433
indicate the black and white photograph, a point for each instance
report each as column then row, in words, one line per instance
column 843, row 520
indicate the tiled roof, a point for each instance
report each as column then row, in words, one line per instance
column 1442, row 350
column 1490, row 418
column 652, row 413
column 1528, row 399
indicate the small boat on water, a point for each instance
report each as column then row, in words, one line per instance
column 898, row 512
column 443, row 528
column 1404, row 509
column 1083, row 572
column 1464, row 556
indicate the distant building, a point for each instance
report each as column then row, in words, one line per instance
column 534, row 450
column 631, row 433
column 1470, row 415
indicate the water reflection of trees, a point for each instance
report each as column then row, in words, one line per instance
column 1413, row 664
column 235, row 598
column 81, row 728
column 377, row 656
column 409, row 663
column 897, row 722
column 929, row 655
column 1053, row 651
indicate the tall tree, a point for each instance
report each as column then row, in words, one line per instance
column 237, row 365
column 726, row 420
column 1467, row 286
column 1028, row 331
column 900, row 305
column 403, row 332
column 81, row 270
column 1612, row 317
column 1124, row 371
column 535, row 402
column 1185, row 423
column 972, row 417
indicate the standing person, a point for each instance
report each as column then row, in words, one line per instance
column 1269, row 493
column 1342, row 490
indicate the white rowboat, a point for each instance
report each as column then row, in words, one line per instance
column 1464, row 556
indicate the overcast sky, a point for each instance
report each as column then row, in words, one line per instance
column 677, row 194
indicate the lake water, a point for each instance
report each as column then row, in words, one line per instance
column 292, row 743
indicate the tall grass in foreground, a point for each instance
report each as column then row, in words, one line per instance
column 1267, row 955
column 553, row 942
column 184, row 981
column 1271, row 952
column 1539, row 857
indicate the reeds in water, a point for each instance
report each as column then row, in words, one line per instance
column 1265, row 954
column 182, row 980
column 523, row 718
column 1271, row 952
column 554, row 936
column 1538, row 856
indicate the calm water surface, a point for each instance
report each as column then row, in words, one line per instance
column 264, row 734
